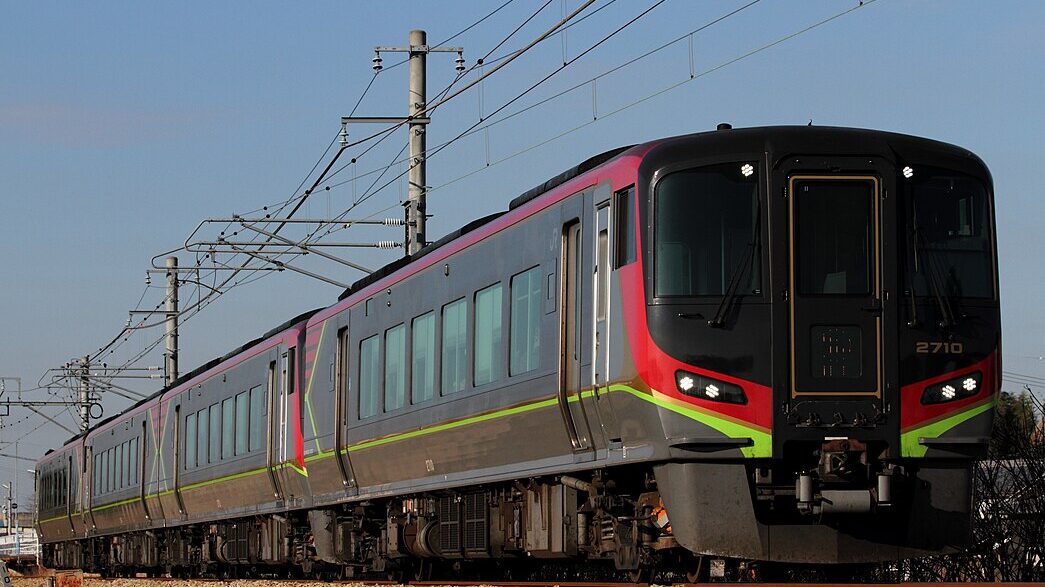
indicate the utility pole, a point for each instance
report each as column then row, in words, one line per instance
column 416, row 194
column 417, row 121
column 171, row 325
column 85, row 394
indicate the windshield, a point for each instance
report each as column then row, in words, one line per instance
column 948, row 224
column 705, row 227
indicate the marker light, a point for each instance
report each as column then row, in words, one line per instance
column 747, row 169
column 709, row 389
column 955, row 389
column 908, row 172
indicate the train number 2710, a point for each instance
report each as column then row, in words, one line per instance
column 936, row 347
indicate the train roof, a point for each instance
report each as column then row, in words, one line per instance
column 781, row 141
column 181, row 380
column 530, row 194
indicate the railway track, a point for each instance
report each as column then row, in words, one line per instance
column 89, row 581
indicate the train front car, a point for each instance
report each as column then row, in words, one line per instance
column 817, row 316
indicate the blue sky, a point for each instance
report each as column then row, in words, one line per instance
column 123, row 125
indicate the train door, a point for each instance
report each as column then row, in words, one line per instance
column 835, row 280
column 276, row 428
column 288, row 410
column 571, row 333
column 87, row 486
column 601, row 294
column 341, row 383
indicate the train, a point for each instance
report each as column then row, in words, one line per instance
column 775, row 344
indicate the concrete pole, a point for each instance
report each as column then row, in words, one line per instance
column 171, row 325
column 85, row 394
column 415, row 211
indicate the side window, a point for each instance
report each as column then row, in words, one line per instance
column 290, row 363
column 454, row 346
column 242, row 419
column 395, row 367
column 624, row 213
column 228, row 428
column 488, row 335
column 190, row 441
column 135, row 464
column 118, row 480
column 202, row 436
column 111, row 459
column 525, row 333
column 369, row 376
column 257, row 417
column 215, row 433
column 422, row 358
column 125, row 477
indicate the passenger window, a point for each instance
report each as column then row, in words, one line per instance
column 488, row 335
column 454, row 346
column 134, row 461
column 242, row 419
column 369, row 376
column 257, row 418
column 602, row 268
column 395, row 367
column 524, row 345
column 215, row 433
column 125, row 477
column 422, row 357
column 203, row 439
column 190, row 441
column 118, row 479
column 624, row 207
column 228, row 428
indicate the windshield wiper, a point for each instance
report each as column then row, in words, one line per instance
column 719, row 320
column 942, row 301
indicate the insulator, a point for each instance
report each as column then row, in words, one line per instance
column 459, row 62
column 388, row 244
column 377, row 62
column 343, row 135
column 393, row 222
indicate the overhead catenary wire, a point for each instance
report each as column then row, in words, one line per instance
column 529, row 89
column 659, row 92
column 489, row 124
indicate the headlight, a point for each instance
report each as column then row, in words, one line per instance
column 955, row 389
column 710, row 389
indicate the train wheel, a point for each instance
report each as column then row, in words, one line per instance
column 423, row 570
column 641, row 574
column 696, row 568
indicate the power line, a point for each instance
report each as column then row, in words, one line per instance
column 532, row 87
column 662, row 91
column 477, row 129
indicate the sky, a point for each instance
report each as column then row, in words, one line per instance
column 124, row 125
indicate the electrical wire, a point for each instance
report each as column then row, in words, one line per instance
column 431, row 153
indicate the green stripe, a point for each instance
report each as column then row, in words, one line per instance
column 456, row 424
column 909, row 441
column 761, row 442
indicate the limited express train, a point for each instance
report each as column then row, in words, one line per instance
column 769, row 344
